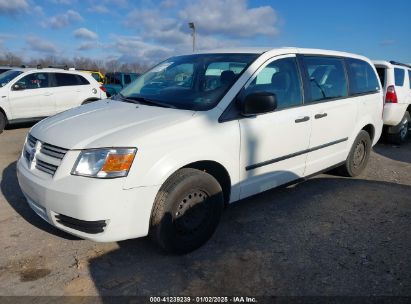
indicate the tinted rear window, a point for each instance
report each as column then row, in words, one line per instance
column 409, row 77
column 362, row 77
column 381, row 75
column 399, row 75
column 65, row 79
column 81, row 80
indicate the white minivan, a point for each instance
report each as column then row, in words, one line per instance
column 28, row 94
column 195, row 133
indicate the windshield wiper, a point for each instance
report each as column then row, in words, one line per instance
column 146, row 101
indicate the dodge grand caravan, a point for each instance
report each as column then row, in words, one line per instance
column 196, row 132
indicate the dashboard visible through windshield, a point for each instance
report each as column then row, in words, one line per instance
column 191, row 82
column 8, row 76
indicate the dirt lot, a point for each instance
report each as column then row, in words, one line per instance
column 326, row 236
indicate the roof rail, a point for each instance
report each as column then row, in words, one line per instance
column 399, row 63
column 64, row 67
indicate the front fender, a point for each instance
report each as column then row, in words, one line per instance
column 153, row 164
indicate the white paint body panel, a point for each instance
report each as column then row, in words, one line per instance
column 394, row 112
column 44, row 102
column 168, row 139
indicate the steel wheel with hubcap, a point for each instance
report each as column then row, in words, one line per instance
column 186, row 211
column 358, row 157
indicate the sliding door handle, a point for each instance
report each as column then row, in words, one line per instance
column 318, row 116
column 302, row 119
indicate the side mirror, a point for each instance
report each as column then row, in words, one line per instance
column 258, row 103
column 17, row 87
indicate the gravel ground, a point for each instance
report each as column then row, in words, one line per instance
column 326, row 236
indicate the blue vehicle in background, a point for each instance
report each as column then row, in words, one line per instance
column 115, row 82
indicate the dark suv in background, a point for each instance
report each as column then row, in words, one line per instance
column 115, row 82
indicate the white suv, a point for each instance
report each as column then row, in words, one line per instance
column 197, row 132
column 396, row 80
column 32, row 94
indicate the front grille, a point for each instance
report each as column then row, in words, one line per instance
column 92, row 227
column 53, row 151
column 45, row 167
column 43, row 156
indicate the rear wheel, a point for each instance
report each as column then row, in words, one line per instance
column 403, row 131
column 358, row 157
column 186, row 211
column 2, row 122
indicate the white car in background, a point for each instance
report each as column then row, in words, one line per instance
column 197, row 132
column 396, row 80
column 28, row 94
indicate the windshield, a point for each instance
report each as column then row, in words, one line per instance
column 8, row 76
column 192, row 82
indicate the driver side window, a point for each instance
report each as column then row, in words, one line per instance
column 280, row 77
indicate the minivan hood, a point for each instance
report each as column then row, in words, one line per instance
column 105, row 123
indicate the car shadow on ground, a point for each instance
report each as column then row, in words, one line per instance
column 11, row 191
column 325, row 236
column 400, row 153
column 21, row 125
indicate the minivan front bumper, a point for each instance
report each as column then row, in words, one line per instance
column 95, row 209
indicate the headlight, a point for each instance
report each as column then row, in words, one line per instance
column 104, row 163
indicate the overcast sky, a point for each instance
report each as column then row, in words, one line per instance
column 148, row 31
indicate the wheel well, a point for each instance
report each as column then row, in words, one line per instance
column 4, row 113
column 218, row 172
column 90, row 100
column 409, row 109
column 371, row 131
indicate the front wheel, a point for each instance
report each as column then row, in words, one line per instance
column 358, row 157
column 186, row 211
column 2, row 122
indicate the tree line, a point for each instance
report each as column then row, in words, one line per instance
column 79, row 63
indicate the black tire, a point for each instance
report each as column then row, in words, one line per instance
column 358, row 157
column 89, row 101
column 403, row 131
column 3, row 122
column 186, row 211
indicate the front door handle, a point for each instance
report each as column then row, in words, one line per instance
column 48, row 94
column 302, row 119
column 318, row 116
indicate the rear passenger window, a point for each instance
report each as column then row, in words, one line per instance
column 81, row 80
column 327, row 78
column 280, row 77
column 409, row 77
column 64, row 79
column 381, row 75
column 362, row 77
column 399, row 75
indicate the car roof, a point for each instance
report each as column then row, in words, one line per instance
column 54, row 70
column 389, row 64
column 279, row 51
